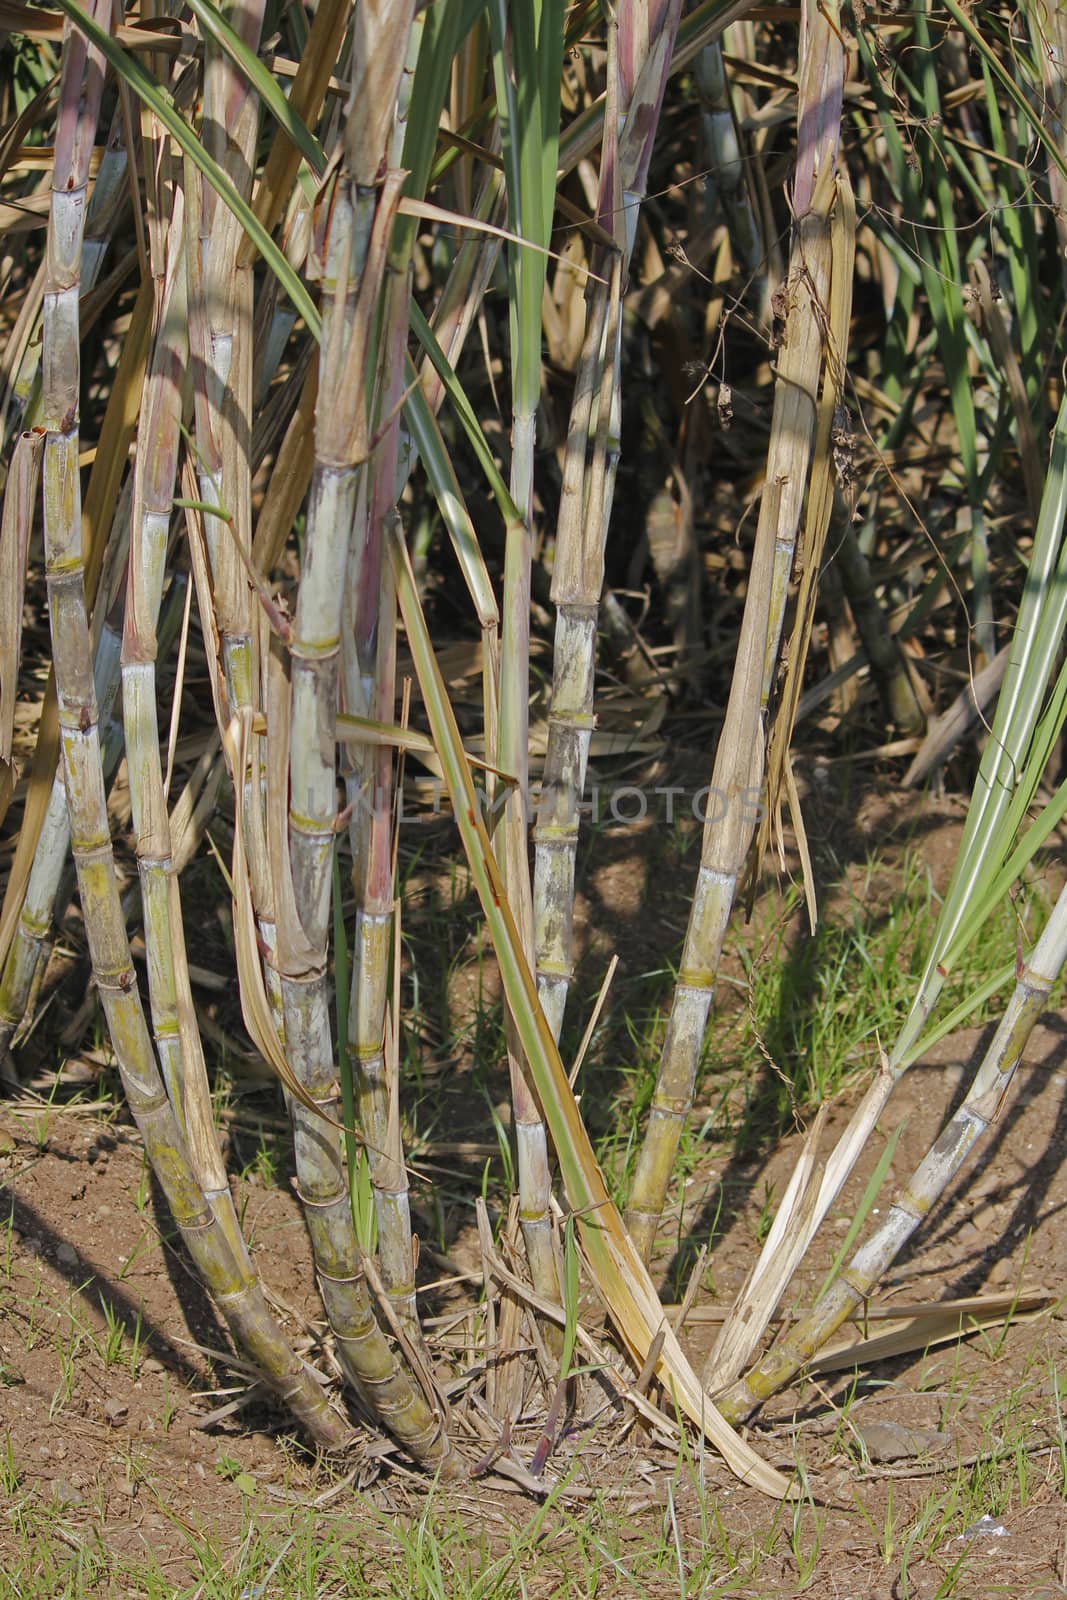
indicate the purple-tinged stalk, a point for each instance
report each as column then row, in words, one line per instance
column 729, row 184
column 369, row 669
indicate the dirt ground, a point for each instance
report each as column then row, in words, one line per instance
column 941, row 1472
column 123, row 1452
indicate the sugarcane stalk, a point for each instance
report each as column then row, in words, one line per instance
column 576, row 583
column 315, row 638
column 1048, row 32
column 21, row 400
column 51, row 876
column 830, row 430
column 376, row 928
column 219, row 264
column 526, row 45
column 26, row 960
column 738, row 771
column 205, row 276
column 728, row 180
column 368, row 676
column 177, row 1036
column 531, row 1143
column 858, row 1280
column 639, row 50
column 241, row 1302
column 900, row 703
column 386, row 1386
column 354, row 252
column 369, row 670
column 221, row 291
column 98, row 519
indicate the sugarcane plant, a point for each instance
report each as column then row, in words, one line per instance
column 313, row 239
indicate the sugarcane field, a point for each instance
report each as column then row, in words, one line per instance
column 533, row 860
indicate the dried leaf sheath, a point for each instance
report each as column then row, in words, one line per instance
column 242, row 1303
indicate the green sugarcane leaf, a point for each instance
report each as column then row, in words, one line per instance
column 957, row 1016
column 130, row 70
column 1031, row 842
column 446, row 25
column 870, row 1194
column 262, row 81
column 527, row 49
column 1006, row 777
column 465, row 412
column 364, row 1211
column 437, row 464
column 1031, row 113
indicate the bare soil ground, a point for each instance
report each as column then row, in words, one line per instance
column 127, row 1424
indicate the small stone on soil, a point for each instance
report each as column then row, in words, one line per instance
column 895, row 1441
